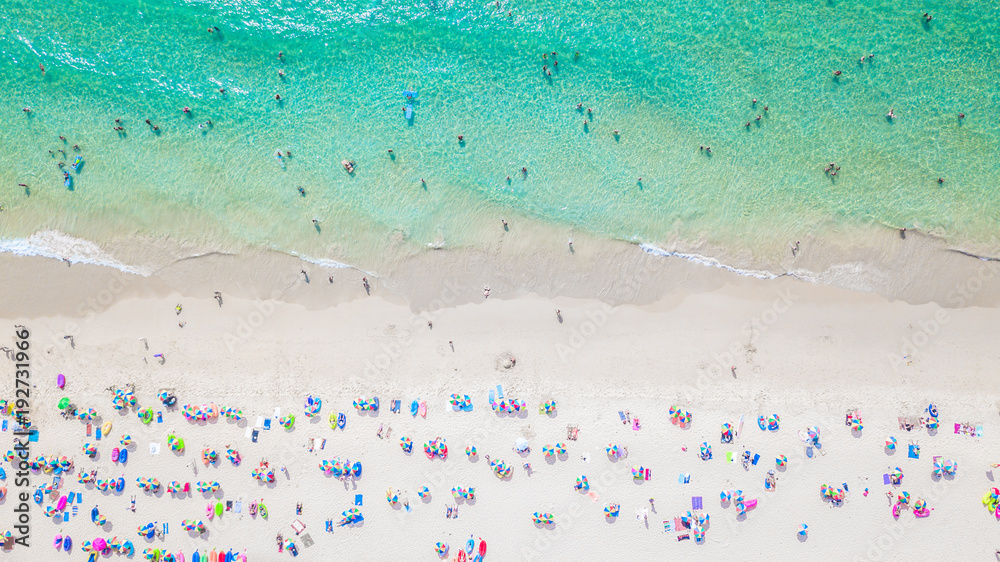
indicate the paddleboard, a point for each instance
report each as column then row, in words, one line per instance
column 263, row 510
column 62, row 503
column 423, row 409
column 470, row 546
column 218, row 508
column 114, row 454
column 482, row 547
column 341, row 420
column 120, row 485
column 123, row 456
column 409, row 113
column 179, row 557
column 414, row 407
column 127, row 548
column 213, row 556
column 196, row 557
column 60, row 380
column 106, row 428
column 67, row 544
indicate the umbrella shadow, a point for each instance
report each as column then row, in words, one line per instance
column 803, row 538
column 550, row 460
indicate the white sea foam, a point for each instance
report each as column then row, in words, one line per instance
column 322, row 262
column 60, row 246
column 711, row 262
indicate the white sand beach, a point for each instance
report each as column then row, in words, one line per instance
column 721, row 346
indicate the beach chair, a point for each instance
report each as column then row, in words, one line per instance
column 499, row 392
column 756, row 458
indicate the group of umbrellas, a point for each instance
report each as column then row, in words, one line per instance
column 340, row 467
column 511, row 406
column 175, row 487
column 463, row 402
column 697, row 524
column 105, row 484
column 234, row 456
column 557, row 449
column 196, row 413
column 947, row 466
column 465, row 493
column 89, row 414
column 547, row 407
column 542, row 518
column 51, row 464
column 147, row 484
column 145, row 415
column 263, row 473
column 123, row 399
column 209, row 456
column 740, row 502
column 500, row 468
column 233, row 414
column 104, row 546
column 436, row 447
column 679, row 417
column 194, row 525
column 147, row 531
column 832, row 494
column 208, row 486
column 769, row 423
column 363, row 404
column 312, row 406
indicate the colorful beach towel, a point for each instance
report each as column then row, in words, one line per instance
column 696, row 502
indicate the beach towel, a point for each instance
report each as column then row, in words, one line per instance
column 979, row 431
column 809, row 452
column 957, row 427
column 358, row 499
column 885, row 479
column 415, row 405
column 914, row 452
column 395, row 406
column 493, row 397
column 755, row 459
column 635, row 424
column 729, row 456
column 678, row 524
column 696, row 502
column 684, row 478
column 668, row 526
column 621, row 415
column 499, row 392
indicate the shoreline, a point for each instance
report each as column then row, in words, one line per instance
column 524, row 260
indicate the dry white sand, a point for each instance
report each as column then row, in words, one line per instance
column 806, row 353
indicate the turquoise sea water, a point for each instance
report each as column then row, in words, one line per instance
column 670, row 76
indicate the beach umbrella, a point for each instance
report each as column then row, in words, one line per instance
column 582, row 483
column 803, row 529
column 458, row 492
column 949, row 466
column 897, row 475
column 176, row 444
column 114, row 544
column 782, row 460
column 234, row 456
column 638, row 471
column 890, row 443
column 536, row 517
column 89, row 450
column 10, row 456
column 674, row 412
column 84, row 477
column 612, row 450
column 470, row 451
column 209, row 456
column 391, row 497
column 189, row 524
column 312, row 405
column 287, row 421
column 725, row 495
column 856, row 425
column 611, row 510
column 424, row 492
column 919, row 505
column 548, row 451
column 903, row 498
column 100, row 544
column 521, row 444
column 455, row 400
column 727, row 432
column 706, row 451
column 441, row 549
column 407, row 444
column 938, row 468
column 560, row 448
column 932, row 423
column 62, row 403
